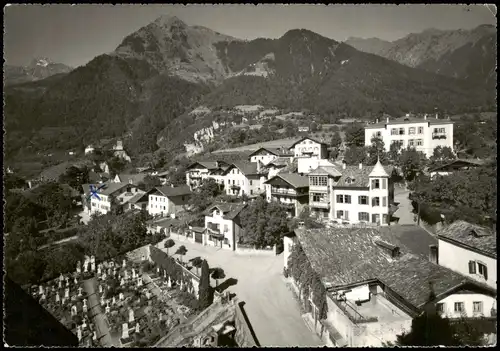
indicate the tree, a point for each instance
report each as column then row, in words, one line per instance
column 74, row 177
column 51, row 197
column 376, row 151
column 182, row 251
column 336, row 140
column 168, row 244
column 196, row 262
column 204, row 195
column 150, row 182
column 263, row 223
column 218, row 273
column 12, row 181
column 355, row 134
column 205, row 293
column 412, row 163
column 441, row 155
column 394, row 152
column 355, row 155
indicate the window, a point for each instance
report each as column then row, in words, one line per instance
column 439, row 130
column 472, row 267
column 384, row 183
column 420, row 130
column 364, row 216
column 477, row 307
column 375, row 183
column 411, row 130
column 375, row 218
column 347, row 199
column 233, row 182
column 384, row 201
column 377, row 134
column 319, row 181
column 384, row 219
column 317, row 197
column 346, row 215
column 482, row 270
column 375, row 201
column 401, row 131
column 420, row 142
column 340, row 199
column 340, row 214
column 411, row 142
column 440, row 307
column 363, row 200
column 394, row 131
column 251, row 191
column 459, row 307
column 250, row 182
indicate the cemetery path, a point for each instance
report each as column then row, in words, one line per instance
column 103, row 334
column 271, row 308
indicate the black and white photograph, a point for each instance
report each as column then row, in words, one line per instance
column 249, row 175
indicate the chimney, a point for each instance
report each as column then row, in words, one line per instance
column 407, row 115
column 387, row 119
column 360, row 166
column 433, row 254
column 172, row 186
column 377, row 120
column 425, row 116
column 343, row 165
column 217, row 164
column 436, row 116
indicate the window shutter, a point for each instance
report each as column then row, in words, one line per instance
column 485, row 272
column 384, row 183
column 346, row 215
column 359, row 200
column 472, row 267
column 384, row 201
column 373, row 183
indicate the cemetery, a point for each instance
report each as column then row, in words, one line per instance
column 65, row 298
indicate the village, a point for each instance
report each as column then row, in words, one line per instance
column 350, row 265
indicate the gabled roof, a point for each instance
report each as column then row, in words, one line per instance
column 471, row 236
column 378, row 170
column 169, row 191
column 229, row 209
column 108, row 189
column 307, row 138
column 138, row 197
column 360, row 178
column 135, row 178
column 458, row 163
column 245, row 167
column 294, row 179
column 291, row 167
column 205, row 164
column 347, row 256
column 273, row 151
column 279, row 162
column 326, row 170
column 56, row 171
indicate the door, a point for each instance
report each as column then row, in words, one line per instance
column 198, row 237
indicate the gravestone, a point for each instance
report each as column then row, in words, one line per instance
column 126, row 275
column 78, row 268
column 43, row 297
column 125, row 331
column 94, row 335
column 110, row 271
column 40, row 290
column 73, row 311
column 99, row 271
column 92, row 259
column 122, row 296
column 137, row 328
column 79, row 333
column 161, row 316
column 58, row 298
column 67, row 282
column 169, row 284
column 131, row 318
column 158, row 270
column 85, row 267
column 61, row 278
column 102, row 301
column 92, row 267
column 124, row 263
column 66, row 293
column 75, row 281
column 114, row 300
column 100, row 288
column 108, row 309
column 122, row 282
column 53, row 288
column 80, row 291
column 63, row 300
column 133, row 273
column 148, row 295
column 84, row 324
column 60, row 284
column 104, row 276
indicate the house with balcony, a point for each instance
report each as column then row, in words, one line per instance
column 168, row 200
column 470, row 250
column 375, row 285
column 198, row 171
column 290, row 190
column 245, row 178
column 266, row 154
column 222, row 225
column 309, row 147
column 352, row 194
column 454, row 166
column 109, row 196
column 423, row 134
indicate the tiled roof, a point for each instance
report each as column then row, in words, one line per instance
column 136, row 198
column 294, row 179
column 273, row 150
column 325, row 170
column 459, row 162
column 174, row 191
column 135, row 178
column 279, row 162
column 291, row 167
column 205, row 164
column 108, row 189
column 229, row 209
column 471, row 235
column 409, row 120
column 345, row 256
column 307, row 138
column 359, row 177
column 246, row 167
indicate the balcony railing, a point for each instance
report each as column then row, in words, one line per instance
column 213, row 227
column 289, row 192
column 320, row 204
column 352, row 314
column 235, row 186
column 438, row 136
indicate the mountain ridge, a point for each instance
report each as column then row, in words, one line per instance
column 39, row 68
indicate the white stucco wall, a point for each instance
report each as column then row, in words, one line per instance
column 250, row 185
column 158, row 204
column 457, row 258
column 308, row 145
column 263, row 156
column 488, row 303
column 226, row 227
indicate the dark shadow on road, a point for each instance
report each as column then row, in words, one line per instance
column 226, row 284
column 247, row 321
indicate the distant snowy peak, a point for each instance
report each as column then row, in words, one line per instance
column 39, row 68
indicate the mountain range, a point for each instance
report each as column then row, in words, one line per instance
column 39, row 68
column 465, row 54
column 157, row 75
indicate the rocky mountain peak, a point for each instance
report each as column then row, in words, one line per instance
column 167, row 21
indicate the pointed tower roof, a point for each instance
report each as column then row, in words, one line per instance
column 378, row 170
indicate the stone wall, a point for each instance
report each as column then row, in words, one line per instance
column 139, row 253
column 245, row 336
column 257, row 252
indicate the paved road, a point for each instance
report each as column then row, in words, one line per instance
column 404, row 212
column 270, row 306
column 100, row 321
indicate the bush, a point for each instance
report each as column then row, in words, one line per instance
column 187, row 299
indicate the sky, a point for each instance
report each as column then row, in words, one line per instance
column 75, row 34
